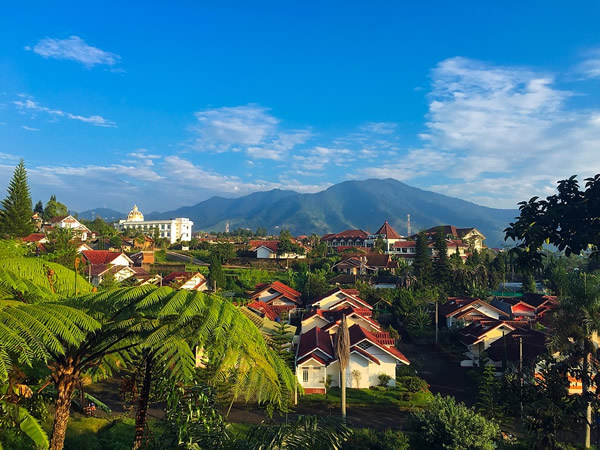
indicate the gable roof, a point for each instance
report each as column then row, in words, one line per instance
column 315, row 339
column 182, row 277
column 534, row 345
column 272, row 312
column 476, row 331
column 34, row 237
column 346, row 234
column 277, row 286
column 387, row 230
column 537, row 300
column 457, row 304
column 103, row 256
column 358, row 334
column 350, row 294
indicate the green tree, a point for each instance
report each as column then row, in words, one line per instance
column 54, row 208
column 215, row 272
column 528, row 283
column 281, row 343
column 61, row 248
column 224, row 251
column 446, row 424
column 379, row 246
column 422, row 267
column 39, row 208
column 487, row 397
column 16, row 212
column 568, row 220
column 116, row 241
column 441, row 264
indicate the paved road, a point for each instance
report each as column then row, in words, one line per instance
column 185, row 258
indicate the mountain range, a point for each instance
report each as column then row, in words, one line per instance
column 352, row 204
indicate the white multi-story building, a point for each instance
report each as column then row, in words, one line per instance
column 178, row 229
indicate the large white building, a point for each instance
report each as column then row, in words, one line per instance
column 178, row 229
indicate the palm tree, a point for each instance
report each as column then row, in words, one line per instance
column 577, row 327
column 342, row 350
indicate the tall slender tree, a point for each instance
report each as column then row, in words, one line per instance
column 422, row 267
column 16, row 212
column 441, row 264
column 342, row 350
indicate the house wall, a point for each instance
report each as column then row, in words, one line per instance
column 264, row 253
column 312, row 322
column 193, row 282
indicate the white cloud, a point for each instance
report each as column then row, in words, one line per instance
column 379, row 127
column 25, row 127
column 496, row 127
column 250, row 128
column 590, row 67
column 31, row 106
column 74, row 49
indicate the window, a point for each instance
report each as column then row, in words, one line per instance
column 305, row 374
column 364, row 345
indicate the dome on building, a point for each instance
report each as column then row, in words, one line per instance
column 135, row 215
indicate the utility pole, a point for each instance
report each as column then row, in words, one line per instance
column 436, row 322
column 521, row 372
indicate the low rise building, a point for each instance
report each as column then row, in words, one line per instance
column 174, row 230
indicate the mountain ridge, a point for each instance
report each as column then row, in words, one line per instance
column 361, row 204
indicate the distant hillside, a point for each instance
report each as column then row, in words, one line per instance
column 351, row 204
column 109, row 215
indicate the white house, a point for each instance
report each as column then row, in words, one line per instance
column 268, row 250
column 463, row 310
column 370, row 356
column 178, row 229
column 95, row 257
column 190, row 281
column 73, row 224
column 276, row 293
column 340, row 298
column 97, row 272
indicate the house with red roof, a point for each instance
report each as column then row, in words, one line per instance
column 372, row 351
column 276, row 293
column 347, row 239
column 97, row 272
column 370, row 354
column 339, row 298
column 365, row 264
column 190, row 281
column 478, row 336
column 458, row 311
column 35, row 238
column 95, row 257
column 472, row 237
column 268, row 250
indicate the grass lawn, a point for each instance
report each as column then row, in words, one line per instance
column 398, row 397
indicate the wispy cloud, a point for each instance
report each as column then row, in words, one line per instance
column 499, row 126
column 250, row 128
column 29, row 105
column 25, row 127
column 74, row 49
column 590, row 67
column 379, row 127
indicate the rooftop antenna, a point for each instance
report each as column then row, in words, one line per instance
column 227, row 227
column 408, row 224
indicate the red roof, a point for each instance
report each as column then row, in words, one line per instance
column 271, row 245
column 347, row 234
column 315, row 339
column 359, row 334
column 387, row 230
column 101, row 256
column 181, row 276
column 277, row 286
column 271, row 312
column 34, row 237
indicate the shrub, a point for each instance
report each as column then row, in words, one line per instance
column 413, row 384
column 384, row 379
column 369, row 439
column 446, row 424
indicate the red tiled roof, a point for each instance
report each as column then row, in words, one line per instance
column 315, row 339
column 101, row 256
column 313, row 356
column 277, row 286
column 34, row 237
column 346, row 234
column 58, row 219
column 387, row 230
column 272, row 312
column 358, row 334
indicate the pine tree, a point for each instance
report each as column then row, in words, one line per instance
column 39, row 208
column 281, row 342
column 54, row 208
column 422, row 267
column 15, row 216
column 441, row 264
column 215, row 272
column 488, row 391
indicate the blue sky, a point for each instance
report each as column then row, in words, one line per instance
column 112, row 104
